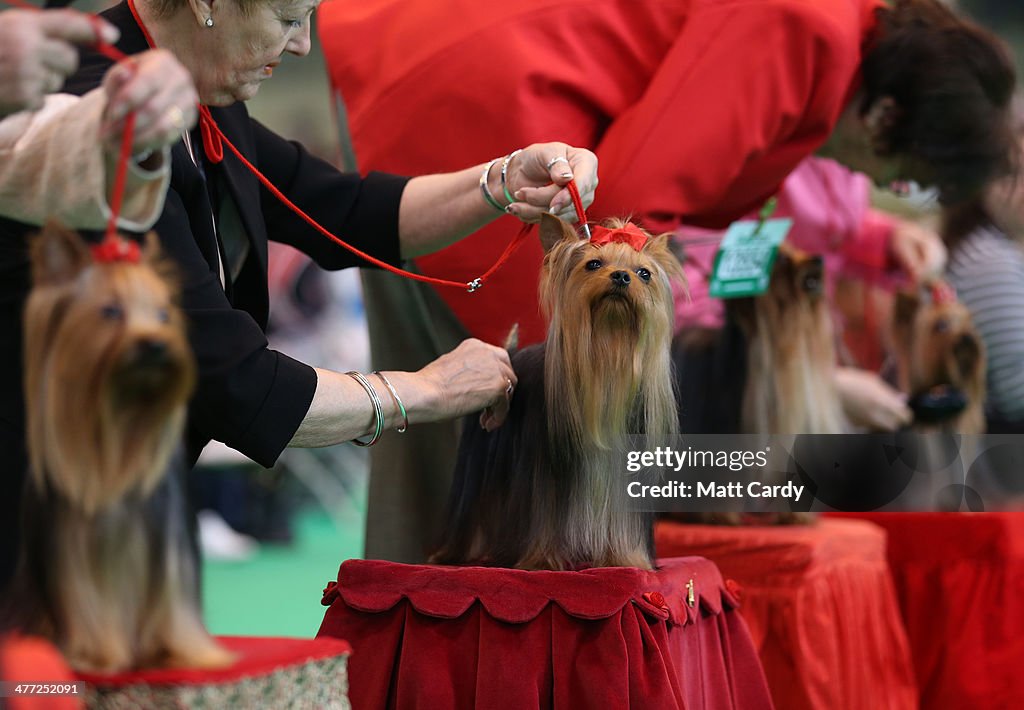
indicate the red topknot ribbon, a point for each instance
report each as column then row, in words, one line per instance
column 628, row 233
column 942, row 293
column 115, row 248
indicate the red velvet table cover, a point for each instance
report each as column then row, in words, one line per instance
column 474, row 637
column 821, row 609
column 267, row 673
column 960, row 582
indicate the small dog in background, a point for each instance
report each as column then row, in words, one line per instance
column 940, row 360
column 546, row 489
column 771, row 369
column 107, row 569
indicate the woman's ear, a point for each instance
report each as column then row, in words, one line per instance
column 202, row 10
column 879, row 120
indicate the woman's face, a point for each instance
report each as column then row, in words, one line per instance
column 244, row 48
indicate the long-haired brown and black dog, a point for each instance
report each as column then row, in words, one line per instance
column 940, row 359
column 770, row 369
column 546, row 489
column 107, row 570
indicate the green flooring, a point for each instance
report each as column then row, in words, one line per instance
column 277, row 592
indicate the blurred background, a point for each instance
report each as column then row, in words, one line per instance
column 273, row 538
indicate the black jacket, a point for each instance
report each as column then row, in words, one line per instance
column 248, row 396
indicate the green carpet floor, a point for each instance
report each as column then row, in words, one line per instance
column 277, row 592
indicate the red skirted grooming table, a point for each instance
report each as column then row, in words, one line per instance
column 306, row 674
column 821, row 609
column 475, row 637
column 28, row 659
column 960, row 582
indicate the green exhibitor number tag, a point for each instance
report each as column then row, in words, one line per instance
column 743, row 264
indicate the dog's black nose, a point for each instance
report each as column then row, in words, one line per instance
column 620, row 278
column 150, row 352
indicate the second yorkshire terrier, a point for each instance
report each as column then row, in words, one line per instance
column 940, row 356
column 771, row 369
column 107, row 570
column 545, row 490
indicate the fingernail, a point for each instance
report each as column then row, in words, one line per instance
column 567, row 175
column 518, row 194
column 110, row 34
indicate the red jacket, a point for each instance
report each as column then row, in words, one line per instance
column 697, row 109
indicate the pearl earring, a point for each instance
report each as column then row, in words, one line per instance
column 209, row 22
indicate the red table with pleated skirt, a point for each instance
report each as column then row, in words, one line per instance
column 960, row 583
column 820, row 605
column 300, row 674
column 475, row 637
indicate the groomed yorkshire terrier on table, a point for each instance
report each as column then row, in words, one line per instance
column 545, row 490
column 107, row 570
column 940, row 359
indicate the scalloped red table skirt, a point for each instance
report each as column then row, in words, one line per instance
column 821, row 609
column 960, row 583
column 474, row 637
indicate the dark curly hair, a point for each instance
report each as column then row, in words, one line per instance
column 952, row 83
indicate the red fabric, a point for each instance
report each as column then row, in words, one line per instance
column 697, row 109
column 28, row 659
column 960, row 582
column 821, row 609
column 256, row 657
column 474, row 637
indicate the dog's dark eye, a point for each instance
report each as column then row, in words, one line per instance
column 940, row 326
column 644, row 275
column 593, row 265
column 113, row 311
column 163, row 315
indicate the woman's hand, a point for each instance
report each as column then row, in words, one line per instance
column 537, row 177
column 160, row 90
column 37, row 53
column 870, row 402
column 919, row 251
column 474, row 376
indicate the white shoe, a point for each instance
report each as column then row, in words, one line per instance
column 219, row 541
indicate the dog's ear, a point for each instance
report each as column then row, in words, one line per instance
column 58, row 254
column 553, row 230
column 659, row 248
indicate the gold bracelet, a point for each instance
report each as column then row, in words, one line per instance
column 378, row 409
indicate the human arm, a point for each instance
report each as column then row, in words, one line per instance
column 473, row 377
column 60, row 161
column 747, row 91
column 37, row 52
column 439, row 209
column 870, row 402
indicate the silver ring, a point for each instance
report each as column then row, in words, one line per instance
column 176, row 117
column 559, row 159
column 508, row 390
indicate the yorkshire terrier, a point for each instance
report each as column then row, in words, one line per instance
column 546, row 489
column 107, row 570
column 771, row 369
column 940, row 360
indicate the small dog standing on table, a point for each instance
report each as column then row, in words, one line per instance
column 107, row 570
column 546, row 489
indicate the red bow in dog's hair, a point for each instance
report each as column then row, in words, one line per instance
column 115, row 248
column 942, row 293
column 628, row 233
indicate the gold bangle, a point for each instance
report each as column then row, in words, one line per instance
column 398, row 401
column 378, row 409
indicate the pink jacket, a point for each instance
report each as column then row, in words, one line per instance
column 831, row 216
